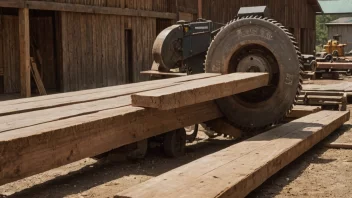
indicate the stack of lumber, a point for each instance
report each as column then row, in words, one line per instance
column 334, row 65
column 300, row 111
column 239, row 169
column 345, row 87
column 39, row 134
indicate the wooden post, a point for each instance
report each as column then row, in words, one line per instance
column 200, row 9
column 24, row 40
column 177, row 11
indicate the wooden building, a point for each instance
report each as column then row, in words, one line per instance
column 343, row 28
column 84, row 44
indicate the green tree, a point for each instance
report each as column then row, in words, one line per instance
column 321, row 28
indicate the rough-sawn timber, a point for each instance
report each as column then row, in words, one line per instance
column 200, row 91
column 64, row 99
column 239, row 169
column 48, row 135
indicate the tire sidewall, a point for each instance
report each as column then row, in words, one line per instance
column 262, row 32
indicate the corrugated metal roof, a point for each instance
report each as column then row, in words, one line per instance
column 341, row 21
column 336, row 6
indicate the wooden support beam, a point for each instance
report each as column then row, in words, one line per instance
column 37, row 148
column 336, row 145
column 24, row 40
column 239, row 169
column 200, row 91
column 334, row 65
column 200, row 9
column 12, row 3
column 69, row 7
column 37, row 78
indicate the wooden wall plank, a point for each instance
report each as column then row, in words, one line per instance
column 10, row 35
column 82, row 8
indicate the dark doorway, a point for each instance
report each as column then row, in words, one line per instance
column 43, row 44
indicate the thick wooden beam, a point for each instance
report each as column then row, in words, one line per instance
column 64, row 99
column 30, row 150
column 67, row 7
column 24, row 40
column 328, row 65
column 239, row 169
column 200, row 91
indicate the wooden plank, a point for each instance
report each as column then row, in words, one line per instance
column 67, row 7
column 332, row 98
column 336, row 145
column 31, row 150
column 23, row 15
column 200, row 91
column 239, row 169
column 339, row 87
column 12, row 3
column 322, row 93
column 51, row 101
column 334, row 65
column 37, row 78
column 158, row 73
column 300, row 111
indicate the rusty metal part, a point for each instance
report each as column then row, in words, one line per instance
column 191, row 132
column 253, row 63
column 167, row 49
column 274, row 50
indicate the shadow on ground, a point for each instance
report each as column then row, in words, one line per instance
column 105, row 171
column 275, row 185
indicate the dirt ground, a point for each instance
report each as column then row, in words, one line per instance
column 321, row 172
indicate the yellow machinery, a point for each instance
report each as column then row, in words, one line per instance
column 334, row 47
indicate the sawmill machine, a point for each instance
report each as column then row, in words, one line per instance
column 252, row 42
column 333, row 51
column 334, row 47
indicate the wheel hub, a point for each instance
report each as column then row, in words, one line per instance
column 253, row 63
column 255, row 58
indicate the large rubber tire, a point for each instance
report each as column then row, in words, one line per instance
column 175, row 143
column 271, row 35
